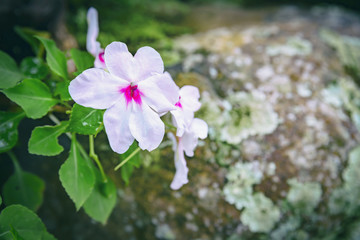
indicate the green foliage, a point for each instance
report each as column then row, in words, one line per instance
column 8, row 129
column 44, row 140
column 18, row 222
column 9, row 71
column 102, row 200
column 85, row 120
column 62, row 90
column 29, row 36
column 55, row 58
column 33, row 67
column 23, row 188
column 83, row 60
column 33, row 96
column 135, row 161
column 76, row 176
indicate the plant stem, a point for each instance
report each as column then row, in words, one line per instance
column 15, row 161
column 170, row 126
column 93, row 155
column 127, row 159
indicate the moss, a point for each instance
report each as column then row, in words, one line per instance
column 294, row 46
column 249, row 114
column 261, row 214
column 304, row 197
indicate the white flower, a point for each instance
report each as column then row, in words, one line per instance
column 135, row 92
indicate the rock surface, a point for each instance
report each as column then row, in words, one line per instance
column 282, row 121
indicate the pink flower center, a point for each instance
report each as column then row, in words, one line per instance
column 132, row 93
column 178, row 104
column 101, row 57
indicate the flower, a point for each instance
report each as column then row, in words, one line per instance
column 187, row 104
column 187, row 143
column 93, row 46
column 135, row 92
column 189, row 129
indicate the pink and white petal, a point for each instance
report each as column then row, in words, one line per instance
column 92, row 46
column 116, row 122
column 96, row 88
column 98, row 63
column 200, row 128
column 181, row 174
column 166, row 86
column 154, row 96
column 146, row 127
column 120, row 62
column 149, row 61
column 190, row 98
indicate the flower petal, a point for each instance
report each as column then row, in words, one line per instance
column 96, row 88
column 116, row 122
column 181, row 120
column 149, row 61
column 198, row 129
column 190, row 98
column 120, row 62
column 92, row 45
column 160, row 92
column 155, row 96
column 146, row 127
column 181, row 175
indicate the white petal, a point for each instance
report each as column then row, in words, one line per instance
column 181, row 175
column 155, row 96
column 190, row 98
column 120, row 62
column 146, row 127
column 92, row 45
column 116, row 122
column 179, row 121
column 200, row 128
column 149, row 61
column 96, row 88
column 189, row 142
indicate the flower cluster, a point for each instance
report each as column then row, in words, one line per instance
column 136, row 92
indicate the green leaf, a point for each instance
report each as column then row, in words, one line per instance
column 8, row 129
column 83, row 60
column 24, row 188
column 84, row 120
column 28, row 35
column 76, row 176
column 17, row 219
column 9, row 71
column 33, row 96
column 33, row 67
column 54, row 57
column 0, row 200
column 15, row 234
column 62, row 89
column 102, row 199
column 44, row 140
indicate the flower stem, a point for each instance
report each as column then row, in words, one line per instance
column 127, row 159
column 15, row 161
column 93, row 155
